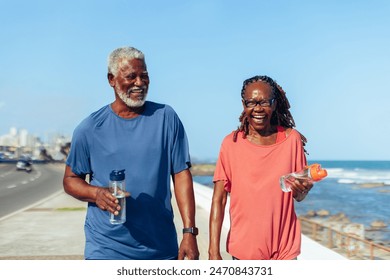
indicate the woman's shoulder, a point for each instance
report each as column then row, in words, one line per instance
column 232, row 135
column 290, row 131
column 295, row 135
column 233, row 139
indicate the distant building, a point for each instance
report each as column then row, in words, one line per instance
column 20, row 142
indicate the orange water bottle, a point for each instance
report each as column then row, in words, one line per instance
column 311, row 173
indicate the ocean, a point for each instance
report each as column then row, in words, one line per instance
column 358, row 189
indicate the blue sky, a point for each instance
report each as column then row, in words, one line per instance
column 331, row 57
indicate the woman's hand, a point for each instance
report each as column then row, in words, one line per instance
column 301, row 188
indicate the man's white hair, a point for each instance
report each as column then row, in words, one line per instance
column 120, row 53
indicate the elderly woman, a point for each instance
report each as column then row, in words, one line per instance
column 263, row 223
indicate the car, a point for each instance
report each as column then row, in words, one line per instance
column 25, row 165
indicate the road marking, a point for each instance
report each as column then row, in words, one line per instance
column 11, row 186
column 5, row 174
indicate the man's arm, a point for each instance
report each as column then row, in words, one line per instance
column 185, row 198
column 77, row 187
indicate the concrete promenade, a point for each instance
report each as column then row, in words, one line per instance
column 53, row 229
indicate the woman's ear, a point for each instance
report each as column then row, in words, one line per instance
column 243, row 102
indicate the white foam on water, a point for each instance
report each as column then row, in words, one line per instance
column 359, row 176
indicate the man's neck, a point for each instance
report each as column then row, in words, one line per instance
column 126, row 112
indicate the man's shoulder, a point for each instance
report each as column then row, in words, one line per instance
column 154, row 107
column 94, row 118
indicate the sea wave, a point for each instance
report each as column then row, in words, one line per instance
column 364, row 183
column 359, row 176
column 346, row 181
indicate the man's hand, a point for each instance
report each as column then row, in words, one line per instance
column 188, row 248
column 107, row 202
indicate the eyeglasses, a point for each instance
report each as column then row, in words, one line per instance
column 251, row 103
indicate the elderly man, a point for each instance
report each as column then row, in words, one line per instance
column 149, row 142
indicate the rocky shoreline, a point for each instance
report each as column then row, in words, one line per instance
column 203, row 169
column 375, row 185
column 341, row 222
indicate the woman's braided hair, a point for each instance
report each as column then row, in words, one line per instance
column 281, row 116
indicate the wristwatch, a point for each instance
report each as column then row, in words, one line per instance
column 192, row 230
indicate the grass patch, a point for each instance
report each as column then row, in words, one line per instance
column 71, row 209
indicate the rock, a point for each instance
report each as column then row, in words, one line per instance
column 340, row 217
column 371, row 185
column 378, row 224
column 323, row 213
column 202, row 169
column 311, row 213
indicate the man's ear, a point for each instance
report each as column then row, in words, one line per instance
column 110, row 78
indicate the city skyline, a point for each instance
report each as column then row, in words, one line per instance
column 20, row 143
column 15, row 131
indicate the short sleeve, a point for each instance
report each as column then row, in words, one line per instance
column 222, row 169
column 300, row 157
column 79, row 156
column 180, row 148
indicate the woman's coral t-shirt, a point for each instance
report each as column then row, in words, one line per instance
column 263, row 223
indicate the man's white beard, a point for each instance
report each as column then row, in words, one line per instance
column 125, row 97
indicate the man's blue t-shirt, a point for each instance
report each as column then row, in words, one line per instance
column 150, row 147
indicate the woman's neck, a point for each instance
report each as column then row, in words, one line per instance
column 262, row 137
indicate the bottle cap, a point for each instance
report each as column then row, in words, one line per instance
column 117, row 175
column 317, row 173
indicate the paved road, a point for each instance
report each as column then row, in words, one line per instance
column 19, row 189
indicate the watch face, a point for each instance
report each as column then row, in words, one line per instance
column 192, row 230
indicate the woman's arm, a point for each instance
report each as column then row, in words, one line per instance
column 217, row 214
